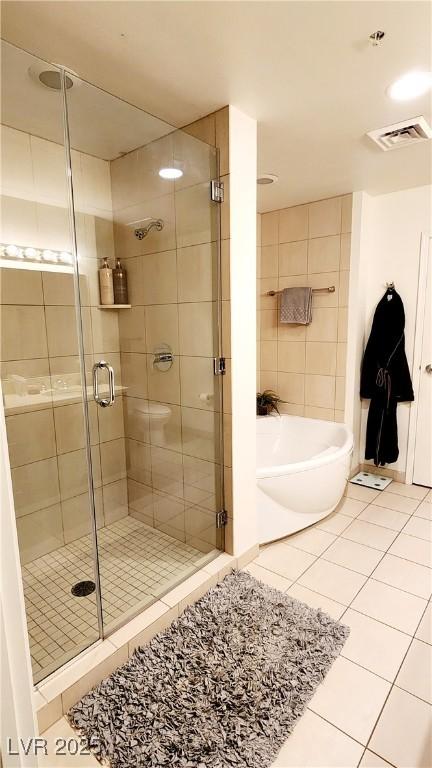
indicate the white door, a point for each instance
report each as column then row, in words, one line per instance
column 423, row 443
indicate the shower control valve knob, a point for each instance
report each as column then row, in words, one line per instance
column 428, row 368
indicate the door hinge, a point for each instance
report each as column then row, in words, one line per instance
column 221, row 518
column 217, row 191
column 219, row 366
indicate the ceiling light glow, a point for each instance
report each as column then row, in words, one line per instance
column 410, row 86
column 170, row 173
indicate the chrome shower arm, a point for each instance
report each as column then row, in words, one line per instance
column 142, row 232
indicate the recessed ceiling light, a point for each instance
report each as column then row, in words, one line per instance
column 410, row 86
column 50, row 77
column 170, row 173
column 267, row 178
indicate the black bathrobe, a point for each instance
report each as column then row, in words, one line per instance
column 385, row 378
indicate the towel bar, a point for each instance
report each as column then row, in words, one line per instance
column 330, row 289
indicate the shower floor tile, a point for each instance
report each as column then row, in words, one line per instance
column 137, row 564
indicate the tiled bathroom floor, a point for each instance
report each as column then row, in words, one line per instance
column 368, row 564
column 137, row 563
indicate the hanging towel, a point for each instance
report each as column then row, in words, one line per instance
column 296, row 306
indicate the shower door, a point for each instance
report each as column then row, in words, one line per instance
column 142, row 194
column 43, row 389
column 116, row 488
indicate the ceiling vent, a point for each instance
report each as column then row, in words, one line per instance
column 402, row 134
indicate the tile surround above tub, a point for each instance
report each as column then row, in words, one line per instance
column 293, row 258
column 309, row 245
column 293, row 224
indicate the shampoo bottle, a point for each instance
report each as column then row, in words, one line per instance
column 106, row 288
column 120, row 284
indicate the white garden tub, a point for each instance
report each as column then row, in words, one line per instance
column 302, row 468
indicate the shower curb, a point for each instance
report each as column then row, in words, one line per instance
column 56, row 695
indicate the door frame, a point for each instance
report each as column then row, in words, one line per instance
column 425, row 261
column 19, row 717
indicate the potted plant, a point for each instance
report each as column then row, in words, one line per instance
column 267, row 402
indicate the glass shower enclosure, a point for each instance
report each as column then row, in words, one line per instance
column 113, row 412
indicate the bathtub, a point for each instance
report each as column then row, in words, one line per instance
column 302, row 468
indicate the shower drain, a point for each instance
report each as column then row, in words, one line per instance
column 83, row 588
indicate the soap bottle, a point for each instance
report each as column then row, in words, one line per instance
column 106, row 288
column 120, row 284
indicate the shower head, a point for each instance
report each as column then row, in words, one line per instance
column 147, row 225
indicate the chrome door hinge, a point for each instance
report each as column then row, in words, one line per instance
column 219, row 366
column 221, row 518
column 217, row 191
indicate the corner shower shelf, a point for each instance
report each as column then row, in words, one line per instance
column 114, row 306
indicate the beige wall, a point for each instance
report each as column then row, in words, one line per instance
column 39, row 344
column 306, row 245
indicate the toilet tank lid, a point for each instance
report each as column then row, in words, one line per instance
column 155, row 409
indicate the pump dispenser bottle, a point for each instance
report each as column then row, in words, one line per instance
column 106, row 288
column 120, row 284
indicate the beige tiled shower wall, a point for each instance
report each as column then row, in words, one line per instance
column 306, row 245
column 172, row 417
column 40, row 369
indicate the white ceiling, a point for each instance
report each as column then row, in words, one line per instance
column 305, row 70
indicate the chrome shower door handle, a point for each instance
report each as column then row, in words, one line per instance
column 104, row 402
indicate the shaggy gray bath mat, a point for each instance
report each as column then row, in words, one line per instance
column 222, row 687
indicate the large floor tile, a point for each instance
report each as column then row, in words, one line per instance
column 359, row 492
column 419, row 527
column 268, row 577
column 374, row 645
column 332, row 580
column 403, row 733
column 355, row 556
column 351, row 507
column 391, row 606
column 412, row 548
column 61, row 730
column 405, row 575
column 388, row 518
column 315, row 600
column 350, row 698
column 335, row 523
column 314, row 743
column 371, row 760
column 415, row 675
column 424, row 631
column 371, row 535
column 412, row 491
column 424, row 509
column 285, row 560
column 312, row 540
column 399, row 503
